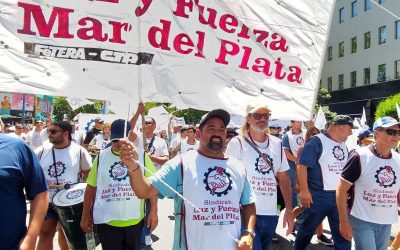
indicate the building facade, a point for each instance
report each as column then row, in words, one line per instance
column 362, row 62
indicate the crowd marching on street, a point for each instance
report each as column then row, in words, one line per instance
column 229, row 185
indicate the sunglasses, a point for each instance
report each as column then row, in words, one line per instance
column 257, row 116
column 392, row 132
column 53, row 131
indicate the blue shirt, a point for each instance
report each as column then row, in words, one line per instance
column 309, row 157
column 19, row 169
column 286, row 145
column 170, row 173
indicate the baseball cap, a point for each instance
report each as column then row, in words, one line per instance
column 255, row 105
column 219, row 113
column 343, row 120
column 385, row 122
column 363, row 134
column 117, row 129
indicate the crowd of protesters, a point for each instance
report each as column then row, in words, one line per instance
column 229, row 185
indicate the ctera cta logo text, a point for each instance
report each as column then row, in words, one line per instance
column 91, row 54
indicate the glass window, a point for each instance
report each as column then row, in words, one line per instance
column 367, row 5
column 330, row 55
column 397, row 29
column 397, row 69
column 341, row 15
column 367, row 76
column 354, row 45
column 367, row 40
column 341, row 49
column 341, row 81
column 382, row 1
column 353, row 8
column 329, row 83
column 382, row 34
column 382, row 73
column 353, row 78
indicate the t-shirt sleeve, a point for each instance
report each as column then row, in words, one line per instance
column 234, row 148
column 284, row 162
column 285, row 142
column 170, row 174
column 34, row 178
column 164, row 150
column 248, row 196
column 352, row 170
column 311, row 153
column 92, row 177
column 86, row 160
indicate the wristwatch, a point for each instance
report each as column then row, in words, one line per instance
column 250, row 231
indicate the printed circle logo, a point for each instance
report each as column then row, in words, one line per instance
column 385, row 176
column 74, row 194
column 118, row 171
column 264, row 164
column 218, row 181
column 338, row 153
column 56, row 171
column 300, row 141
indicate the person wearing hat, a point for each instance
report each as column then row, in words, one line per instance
column 218, row 196
column 109, row 202
column 365, row 138
column 189, row 143
column 371, row 176
column 100, row 141
column 95, row 130
column 62, row 162
column 34, row 138
column 318, row 171
column 266, row 166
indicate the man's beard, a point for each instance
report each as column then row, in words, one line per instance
column 56, row 140
column 215, row 145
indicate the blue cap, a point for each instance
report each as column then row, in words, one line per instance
column 385, row 122
column 364, row 133
column 117, row 129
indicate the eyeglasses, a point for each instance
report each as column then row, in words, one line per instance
column 147, row 123
column 53, row 131
column 258, row 116
column 392, row 132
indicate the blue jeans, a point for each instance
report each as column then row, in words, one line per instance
column 324, row 205
column 369, row 235
column 292, row 176
column 265, row 230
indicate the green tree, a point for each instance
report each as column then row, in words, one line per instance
column 61, row 107
column 322, row 97
column 387, row 107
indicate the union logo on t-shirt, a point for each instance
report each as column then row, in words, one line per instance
column 56, row 171
column 300, row 141
column 385, row 176
column 338, row 153
column 217, row 181
column 118, row 171
column 264, row 164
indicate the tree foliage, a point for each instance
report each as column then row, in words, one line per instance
column 322, row 97
column 387, row 107
column 61, row 107
column 192, row 116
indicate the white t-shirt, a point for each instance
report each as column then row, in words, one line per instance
column 100, row 142
column 295, row 141
column 34, row 139
column 69, row 162
column 185, row 146
column 175, row 142
column 259, row 172
column 158, row 148
column 77, row 137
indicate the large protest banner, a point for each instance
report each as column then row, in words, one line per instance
column 203, row 54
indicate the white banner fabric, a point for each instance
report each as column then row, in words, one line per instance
column 202, row 54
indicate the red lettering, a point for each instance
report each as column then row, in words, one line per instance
column 226, row 20
column 245, row 58
column 295, row 74
column 200, row 44
column 93, row 32
column 211, row 17
column 164, row 35
column 183, row 40
column 224, row 50
column 44, row 28
column 278, row 45
column 180, row 8
column 278, row 70
column 117, row 28
column 139, row 11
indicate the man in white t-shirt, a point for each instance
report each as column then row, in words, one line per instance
column 219, row 200
column 372, row 175
column 63, row 162
column 101, row 140
column 35, row 139
column 188, row 143
column 266, row 165
column 292, row 141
